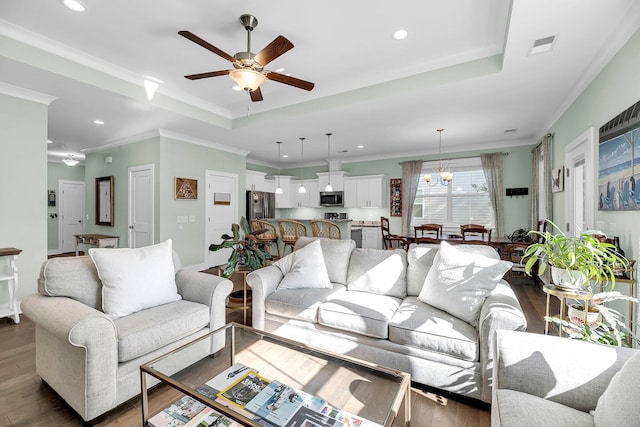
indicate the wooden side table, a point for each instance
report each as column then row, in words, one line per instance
column 562, row 295
column 11, row 278
column 99, row 240
column 242, row 274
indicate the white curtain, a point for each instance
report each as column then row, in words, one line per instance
column 411, row 171
column 541, row 206
column 492, row 167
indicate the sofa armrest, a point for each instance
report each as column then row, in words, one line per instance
column 500, row 311
column 76, row 351
column 571, row 372
column 263, row 282
column 206, row 289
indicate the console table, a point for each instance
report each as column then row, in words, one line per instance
column 99, row 240
column 11, row 278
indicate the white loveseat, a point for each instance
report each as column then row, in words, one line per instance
column 374, row 308
column 91, row 358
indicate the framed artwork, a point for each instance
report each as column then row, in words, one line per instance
column 619, row 161
column 186, row 189
column 395, row 205
column 557, row 180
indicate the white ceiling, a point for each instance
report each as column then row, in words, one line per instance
column 464, row 67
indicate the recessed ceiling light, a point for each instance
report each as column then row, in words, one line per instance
column 98, row 122
column 400, row 34
column 236, row 87
column 75, row 5
column 360, row 146
column 285, row 156
column 544, row 44
column 49, row 141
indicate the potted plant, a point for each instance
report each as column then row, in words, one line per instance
column 578, row 263
column 246, row 253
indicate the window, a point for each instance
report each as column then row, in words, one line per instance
column 465, row 200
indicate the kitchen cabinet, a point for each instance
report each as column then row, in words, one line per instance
column 257, row 181
column 337, row 180
column 364, row 191
column 310, row 199
column 371, row 237
column 285, row 199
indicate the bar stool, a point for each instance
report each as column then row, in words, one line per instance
column 290, row 232
column 269, row 237
column 323, row 228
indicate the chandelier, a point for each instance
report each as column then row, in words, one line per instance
column 442, row 176
column 70, row 160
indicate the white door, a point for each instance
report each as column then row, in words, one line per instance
column 221, row 211
column 141, row 200
column 578, row 184
column 71, row 220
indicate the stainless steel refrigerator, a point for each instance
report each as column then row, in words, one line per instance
column 260, row 205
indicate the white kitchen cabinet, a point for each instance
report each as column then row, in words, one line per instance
column 257, row 181
column 284, row 200
column 309, row 199
column 371, row 237
column 337, row 180
column 364, row 191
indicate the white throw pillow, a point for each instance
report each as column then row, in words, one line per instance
column 460, row 280
column 135, row 279
column 618, row 405
column 304, row 268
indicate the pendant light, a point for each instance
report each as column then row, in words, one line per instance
column 329, row 187
column 279, row 189
column 443, row 177
column 302, row 189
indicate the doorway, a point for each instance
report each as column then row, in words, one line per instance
column 71, row 218
column 579, row 188
column 141, row 206
column 221, row 211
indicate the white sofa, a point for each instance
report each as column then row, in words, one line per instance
column 92, row 359
column 555, row 381
column 374, row 310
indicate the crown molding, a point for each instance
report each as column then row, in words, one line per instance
column 26, row 94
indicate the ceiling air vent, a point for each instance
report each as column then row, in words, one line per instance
column 542, row 45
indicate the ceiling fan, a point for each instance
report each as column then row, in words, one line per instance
column 249, row 72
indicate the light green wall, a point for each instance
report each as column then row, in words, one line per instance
column 615, row 89
column 55, row 173
column 23, row 174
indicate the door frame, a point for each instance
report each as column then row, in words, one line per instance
column 130, row 170
column 61, row 201
column 234, row 202
column 581, row 147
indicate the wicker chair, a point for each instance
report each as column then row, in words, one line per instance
column 433, row 231
column 290, row 232
column 269, row 237
column 328, row 229
column 467, row 230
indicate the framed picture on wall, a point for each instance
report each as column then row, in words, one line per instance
column 395, row 203
column 186, row 189
column 557, row 180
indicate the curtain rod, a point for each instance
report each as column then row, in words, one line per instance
column 452, row 158
column 549, row 135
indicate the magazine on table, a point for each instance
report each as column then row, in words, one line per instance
column 244, row 389
column 276, row 403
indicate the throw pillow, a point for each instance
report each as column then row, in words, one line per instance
column 460, row 280
column 135, row 279
column 378, row 272
column 618, row 405
column 304, row 268
column 336, row 253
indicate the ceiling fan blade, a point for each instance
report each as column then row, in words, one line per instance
column 205, row 44
column 256, row 95
column 273, row 50
column 206, row 75
column 291, row 81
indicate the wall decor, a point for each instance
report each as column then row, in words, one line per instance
column 104, row 201
column 221, row 198
column 619, row 161
column 51, row 197
column 557, row 180
column 395, row 205
column 186, row 189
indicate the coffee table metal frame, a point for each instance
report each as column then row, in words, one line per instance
column 402, row 379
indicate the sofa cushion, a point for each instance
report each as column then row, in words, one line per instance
column 72, row 277
column 378, row 271
column 148, row 330
column 419, row 325
column 419, row 262
column 618, row 403
column 300, row 304
column 135, row 279
column 460, row 280
column 336, row 254
column 514, row 408
column 304, row 268
column 359, row 312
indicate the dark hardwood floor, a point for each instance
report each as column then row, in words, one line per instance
column 25, row 400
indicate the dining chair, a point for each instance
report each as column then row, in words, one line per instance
column 391, row 241
column 269, row 237
column 290, row 232
column 433, row 233
column 324, row 228
column 470, row 230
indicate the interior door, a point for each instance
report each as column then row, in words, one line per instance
column 141, row 206
column 579, row 188
column 221, row 211
column 71, row 219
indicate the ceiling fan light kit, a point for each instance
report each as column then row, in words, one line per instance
column 249, row 73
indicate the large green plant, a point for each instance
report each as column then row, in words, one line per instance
column 246, row 251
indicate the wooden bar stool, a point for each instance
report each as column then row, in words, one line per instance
column 290, row 232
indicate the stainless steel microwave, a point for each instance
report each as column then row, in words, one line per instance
column 332, row 198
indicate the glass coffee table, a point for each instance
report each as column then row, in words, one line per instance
column 260, row 379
